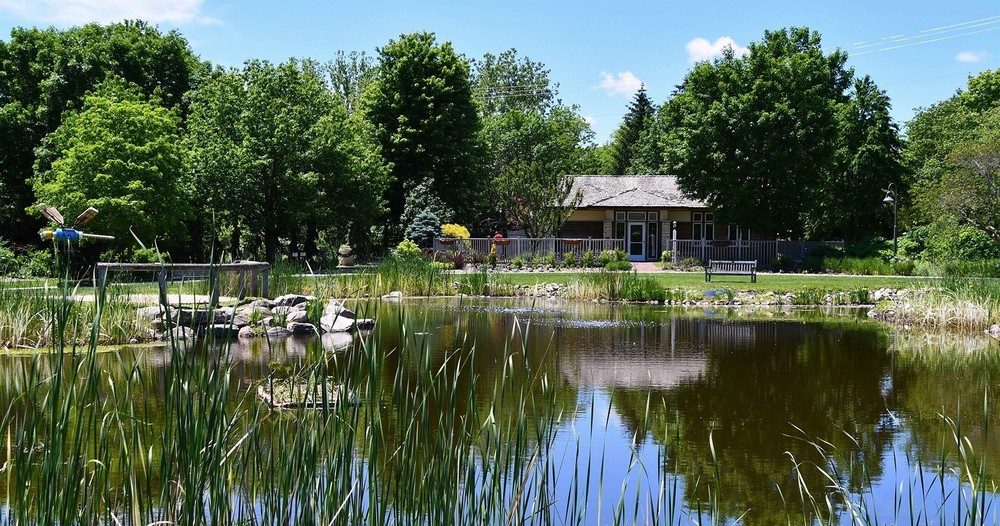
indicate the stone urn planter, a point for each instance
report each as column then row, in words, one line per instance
column 344, row 257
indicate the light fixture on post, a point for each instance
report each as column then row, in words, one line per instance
column 891, row 197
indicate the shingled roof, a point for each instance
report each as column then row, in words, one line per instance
column 631, row 191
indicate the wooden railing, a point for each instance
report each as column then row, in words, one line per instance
column 509, row 248
column 253, row 270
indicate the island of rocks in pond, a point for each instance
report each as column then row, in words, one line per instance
column 283, row 316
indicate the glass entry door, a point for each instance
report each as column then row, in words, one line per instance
column 636, row 241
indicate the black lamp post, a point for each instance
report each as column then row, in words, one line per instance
column 891, row 198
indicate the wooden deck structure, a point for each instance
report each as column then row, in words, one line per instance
column 256, row 270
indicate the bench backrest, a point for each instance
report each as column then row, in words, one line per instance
column 738, row 266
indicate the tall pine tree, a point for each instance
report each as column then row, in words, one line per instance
column 639, row 118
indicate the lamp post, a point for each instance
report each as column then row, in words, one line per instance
column 891, row 198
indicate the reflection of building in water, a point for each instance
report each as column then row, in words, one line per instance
column 647, row 355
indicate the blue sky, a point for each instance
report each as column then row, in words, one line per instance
column 919, row 51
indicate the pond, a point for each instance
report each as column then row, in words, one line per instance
column 484, row 411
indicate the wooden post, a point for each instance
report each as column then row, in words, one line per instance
column 254, row 289
column 213, row 282
column 267, row 272
column 241, row 286
column 163, row 285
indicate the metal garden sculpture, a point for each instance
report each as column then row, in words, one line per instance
column 62, row 233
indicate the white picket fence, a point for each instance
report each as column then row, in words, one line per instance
column 763, row 252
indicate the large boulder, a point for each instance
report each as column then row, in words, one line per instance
column 263, row 302
column 276, row 332
column 178, row 334
column 246, row 333
column 336, row 308
column 342, row 324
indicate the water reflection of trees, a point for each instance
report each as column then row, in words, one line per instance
column 756, row 386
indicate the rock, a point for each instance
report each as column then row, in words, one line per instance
column 263, row 303
column 281, row 310
column 393, row 296
column 150, row 313
column 254, row 310
column 246, row 333
column 301, row 328
column 178, row 334
column 994, row 331
column 290, row 300
column 223, row 331
column 296, row 316
column 364, row 324
column 336, row 308
column 333, row 323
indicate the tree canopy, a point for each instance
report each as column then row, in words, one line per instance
column 275, row 156
column 761, row 132
column 426, row 123
column 953, row 150
column 121, row 154
column 46, row 73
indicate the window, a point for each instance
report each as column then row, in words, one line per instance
column 619, row 216
column 709, row 218
column 637, row 216
column 696, row 231
column 620, row 230
column 652, row 216
column 696, row 217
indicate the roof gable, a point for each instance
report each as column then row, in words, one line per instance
column 631, row 191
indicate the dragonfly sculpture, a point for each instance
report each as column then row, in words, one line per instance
column 62, row 233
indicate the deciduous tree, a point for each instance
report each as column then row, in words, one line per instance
column 426, row 123
column 753, row 135
column 45, row 74
column 121, row 154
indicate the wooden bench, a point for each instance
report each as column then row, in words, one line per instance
column 741, row 268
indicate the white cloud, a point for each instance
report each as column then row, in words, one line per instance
column 624, row 83
column 701, row 49
column 78, row 12
column 972, row 56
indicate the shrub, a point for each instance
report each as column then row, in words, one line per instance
column 407, row 250
column 517, row 262
column 588, row 258
column 458, row 260
column 424, row 227
column 453, row 230
column 782, row 263
column 550, row 259
column 569, row 259
column 605, row 257
column 687, row 263
column 491, row 259
column 619, row 264
column 667, row 257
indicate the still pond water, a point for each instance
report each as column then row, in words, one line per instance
column 703, row 408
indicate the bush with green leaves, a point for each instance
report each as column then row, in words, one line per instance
column 517, row 262
column 550, row 259
column 588, row 259
column 407, row 250
column 782, row 263
column 619, row 264
column 605, row 257
column 569, row 259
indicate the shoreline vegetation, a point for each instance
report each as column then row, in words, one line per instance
column 949, row 304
